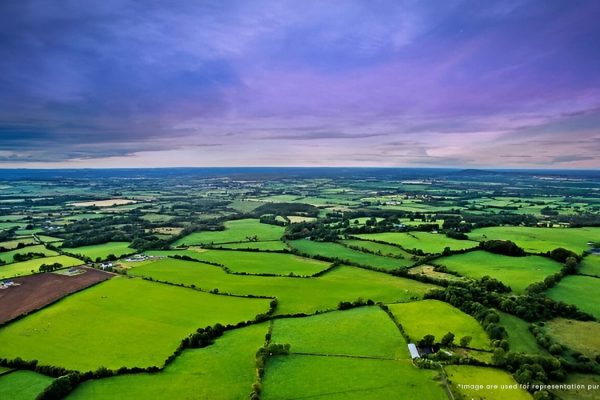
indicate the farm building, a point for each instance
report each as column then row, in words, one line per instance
column 414, row 353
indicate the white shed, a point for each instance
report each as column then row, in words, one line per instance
column 414, row 353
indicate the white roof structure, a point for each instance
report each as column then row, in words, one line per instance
column 414, row 353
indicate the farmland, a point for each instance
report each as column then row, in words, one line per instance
column 345, row 269
column 295, row 295
column 516, row 272
column 32, row 266
column 102, row 251
column 122, row 317
column 348, row 378
column 421, row 318
column 263, row 263
column 430, row 243
column 540, row 240
column 243, row 230
column 224, row 370
column 582, row 291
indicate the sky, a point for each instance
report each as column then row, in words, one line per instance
column 449, row 83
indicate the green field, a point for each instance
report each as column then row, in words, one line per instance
column 480, row 377
column 102, row 251
column 344, row 378
column 296, row 295
column 379, row 248
column 433, row 317
column 7, row 256
column 22, row 385
column 540, row 240
column 585, row 393
column 32, row 266
column 121, row 322
column 590, row 265
column 241, row 230
column 12, row 244
column 336, row 250
column 266, row 245
column 431, row 243
column 582, row 336
column 520, row 339
column 253, row 262
column 582, row 291
column 516, row 272
column 364, row 331
column 223, row 370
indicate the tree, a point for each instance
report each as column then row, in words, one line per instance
column 498, row 356
column 427, row 341
column 448, row 339
column 465, row 341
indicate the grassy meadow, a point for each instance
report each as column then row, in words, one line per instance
column 241, row 230
column 120, row 322
column 364, row 331
column 431, row 243
column 224, row 370
column 22, row 385
column 295, row 295
column 433, row 317
column 102, row 251
column 582, row 291
column 480, row 377
column 32, row 266
column 516, row 272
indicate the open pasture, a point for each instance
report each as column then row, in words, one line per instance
column 364, row 331
column 32, row 266
column 22, row 385
column 590, row 265
column 296, row 295
column 431, row 243
column 433, row 317
column 253, row 262
column 265, row 245
column 241, row 230
column 589, row 387
column 480, row 377
column 582, row 291
column 582, row 336
column 540, row 240
column 379, row 248
column 516, row 272
column 13, row 244
column 102, row 251
column 520, row 339
column 223, row 370
column 338, row 251
column 120, row 322
column 345, row 378
column 103, row 203
column 8, row 256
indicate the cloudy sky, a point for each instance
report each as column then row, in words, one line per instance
column 119, row 83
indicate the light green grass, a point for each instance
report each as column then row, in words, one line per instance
column 7, row 256
column 590, row 390
column 244, row 206
column 590, row 265
column 540, row 240
column 520, row 338
column 12, row 244
column 253, row 262
column 156, row 218
column 296, row 295
column 341, row 252
column 22, row 385
column 433, row 317
column 379, row 248
column 365, row 331
column 481, row 376
column 582, row 291
column 121, row 322
column 267, row 245
column 235, row 231
column 340, row 378
column 224, row 370
column 516, row 272
column 32, row 266
column 582, row 336
column 431, row 243
column 102, row 251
